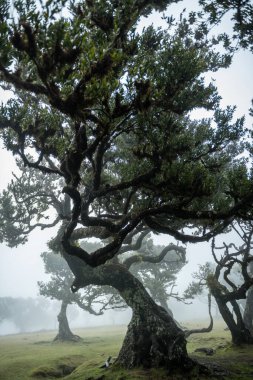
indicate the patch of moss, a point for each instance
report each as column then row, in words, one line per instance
column 45, row 371
column 61, row 370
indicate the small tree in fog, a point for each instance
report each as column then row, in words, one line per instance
column 150, row 264
column 92, row 299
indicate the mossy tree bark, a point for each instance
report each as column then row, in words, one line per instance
column 64, row 332
column 248, row 312
column 153, row 339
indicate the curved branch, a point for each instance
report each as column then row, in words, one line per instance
column 205, row 329
column 43, row 225
column 154, row 225
column 87, row 307
column 42, row 168
column 139, row 180
column 239, row 293
column 101, row 255
column 155, row 259
column 89, row 232
column 136, row 245
column 14, row 79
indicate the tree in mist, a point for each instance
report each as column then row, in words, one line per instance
column 229, row 282
column 156, row 266
column 157, row 270
column 95, row 300
column 59, row 288
column 106, row 109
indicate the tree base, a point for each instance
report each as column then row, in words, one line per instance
column 192, row 371
column 154, row 340
column 72, row 338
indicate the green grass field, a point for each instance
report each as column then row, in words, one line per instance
column 34, row 356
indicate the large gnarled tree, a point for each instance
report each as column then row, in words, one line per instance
column 139, row 255
column 106, row 109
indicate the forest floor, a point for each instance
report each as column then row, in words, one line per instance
column 33, row 356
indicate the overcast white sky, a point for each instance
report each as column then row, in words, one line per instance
column 21, row 268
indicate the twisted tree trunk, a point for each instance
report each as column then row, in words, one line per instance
column 153, row 339
column 64, row 332
column 238, row 329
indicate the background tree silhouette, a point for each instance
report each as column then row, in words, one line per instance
column 229, row 282
column 59, row 288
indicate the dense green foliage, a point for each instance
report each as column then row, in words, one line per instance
column 241, row 14
column 107, row 108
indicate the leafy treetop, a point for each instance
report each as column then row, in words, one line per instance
column 107, row 109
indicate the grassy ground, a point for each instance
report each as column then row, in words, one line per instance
column 34, row 356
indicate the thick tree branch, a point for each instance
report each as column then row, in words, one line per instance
column 156, row 258
column 18, row 83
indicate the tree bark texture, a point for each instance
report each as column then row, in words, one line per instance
column 153, row 339
column 64, row 332
column 248, row 312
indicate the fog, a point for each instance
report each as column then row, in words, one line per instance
column 22, row 267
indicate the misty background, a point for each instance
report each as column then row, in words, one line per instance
column 22, row 267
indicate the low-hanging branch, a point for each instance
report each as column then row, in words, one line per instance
column 204, row 329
